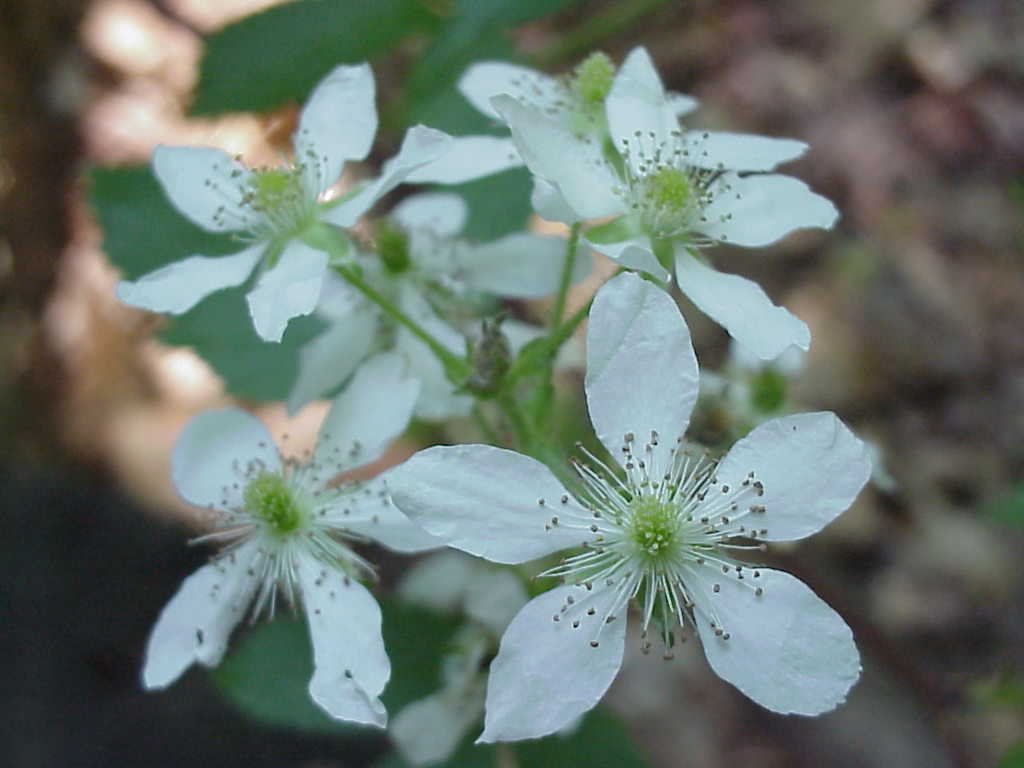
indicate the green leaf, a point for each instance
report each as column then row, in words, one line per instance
column 267, row 673
column 142, row 231
column 601, row 739
column 498, row 204
column 220, row 330
column 1014, row 758
column 266, row 676
column 469, row 755
column 1009, row 509
column 278, row 55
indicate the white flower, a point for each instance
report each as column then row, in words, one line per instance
column 672, row 191
column 428, row 731
column 658, row 533
column 421, row 266
column 285, row 529
column 576, row 101
column 276, row 210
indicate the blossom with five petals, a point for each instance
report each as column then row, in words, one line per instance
column 285, row 528
column 277, row 211
column 671, row 191
column 658, row 532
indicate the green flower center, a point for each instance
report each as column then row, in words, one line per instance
column 670, row 189
column 653, row 526
column 275, row 187
column 593, row 78
column 393, row 248
column 280, row 198
column 268, row 498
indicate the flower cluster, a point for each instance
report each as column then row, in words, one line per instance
column 670, row 191
column 649, row 522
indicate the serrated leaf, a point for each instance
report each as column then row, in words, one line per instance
column 278, row 55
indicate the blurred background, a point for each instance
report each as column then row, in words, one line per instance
column 914, row 110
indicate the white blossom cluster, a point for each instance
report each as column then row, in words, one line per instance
column 650, row 524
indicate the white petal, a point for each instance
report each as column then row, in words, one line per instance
column 373, row 515
column 215, row 451
column 787, row 649
column 351, row 666
column 740, row 151
column 485, row 501
column 428, row 731
column 681, row 104
column 438, row 399
column 546, row 672
column 634, row 253
column 329, row 359
column 369, row 413
column 337, row 124
column 757, row 210
column 549, row 204
column 790, row 363
column 494, row 597
column 641, row 369
column 291, row 288
column 439, row 582
column 179, row 286
column 196, row 624
column 469, row 158
column 574, row 165
column 420, row 146
column 339, row 298
column 485, row 79
column 812, row 467
column 443, row 213
column 520, row 265
column 741, row 307
column 637, row 103
column 207, row 185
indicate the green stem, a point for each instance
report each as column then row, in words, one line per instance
column 488, row 431
column 568, row 266
column 510, row 409
column 455, row 367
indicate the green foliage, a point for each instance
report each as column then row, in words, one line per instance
column 267, row 673
column 767, row 390
column 1014, row 758
column 141, row 232
column 1008, row 510
column 601, row 739
column 266, row 676
column 498, row 204
column 277, row 56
